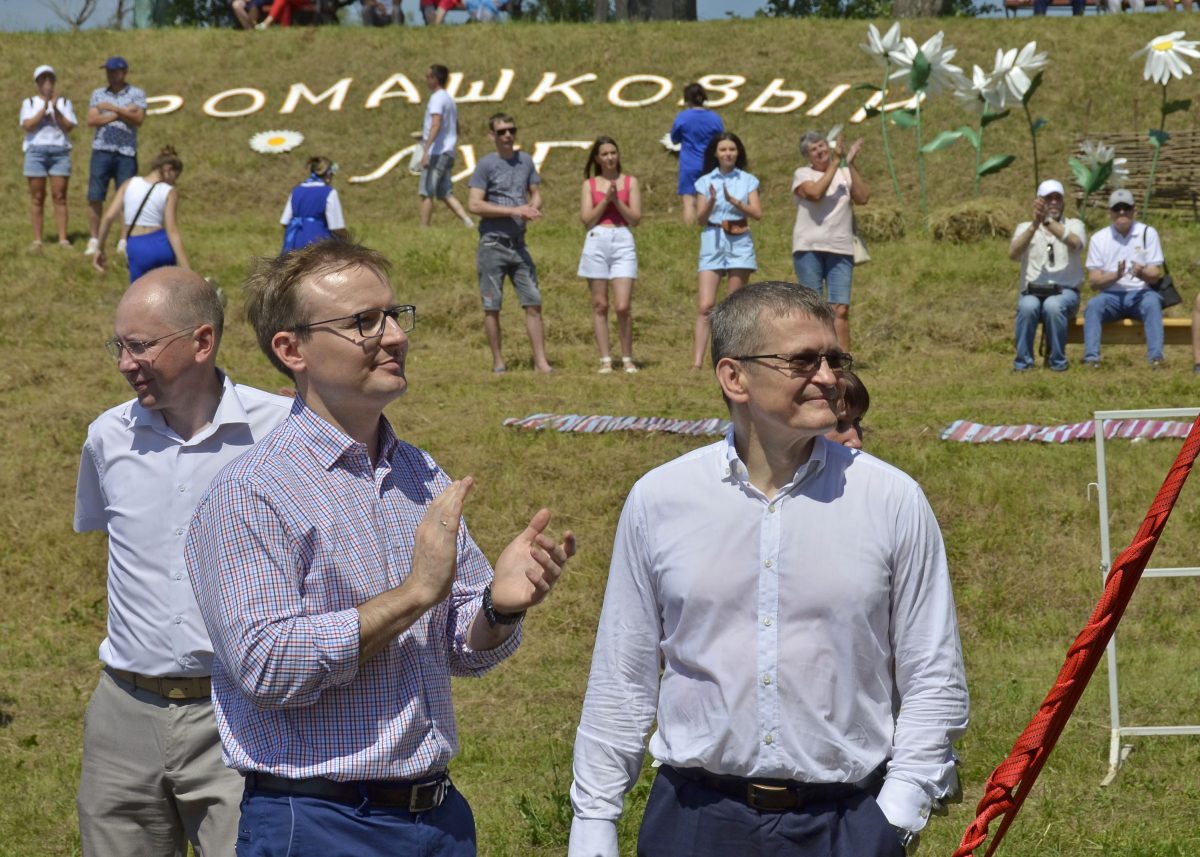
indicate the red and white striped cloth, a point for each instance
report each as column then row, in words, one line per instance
column 965, row 431
column 597, row 424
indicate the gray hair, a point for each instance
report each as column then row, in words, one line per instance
column 736, row 326
column 807, row 140
column 187, row 298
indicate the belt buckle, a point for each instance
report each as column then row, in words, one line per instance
column 175, row 692
column 770, row 798
column 439, row 794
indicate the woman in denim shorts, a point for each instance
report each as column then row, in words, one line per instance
column 47, row 119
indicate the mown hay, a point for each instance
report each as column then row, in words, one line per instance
column 974, row 220
column 879, row 223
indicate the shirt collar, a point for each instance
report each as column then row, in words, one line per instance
column 229, row 412
column 734, row 469
column 330, row 444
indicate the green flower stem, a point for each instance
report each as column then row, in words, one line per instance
column 1037, row 179
column 921, row 166
column 1162, row 125
column 883, row 125
column 979, row 152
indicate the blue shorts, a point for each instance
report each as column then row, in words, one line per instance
column 835, row 270
column 721, row 252
column 687, row 178
column 108, row 166
column 147, row 252
column 436, row 178
column 42, row 161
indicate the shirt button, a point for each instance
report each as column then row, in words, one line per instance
column 179, row 575
column 178, row 619
column 179, row 531
column 769, row 739
column 769, row 564
column 767, row 621
column 766, row 679
column 182, row 488
column 771, row 509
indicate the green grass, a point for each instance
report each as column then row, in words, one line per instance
column 931, row 323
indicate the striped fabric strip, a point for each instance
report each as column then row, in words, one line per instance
column 965, row 431
column 599, row 424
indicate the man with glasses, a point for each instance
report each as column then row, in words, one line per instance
column 1124, row 260
column 1050, row 250
column 152, row 777
column 341, row 587
column 780, row 605
column 505, row 194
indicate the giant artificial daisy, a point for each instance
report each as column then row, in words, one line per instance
column 1013, row 74
column 881, row 46
column 1164, row 57
column 942, row 75
column 274, row 142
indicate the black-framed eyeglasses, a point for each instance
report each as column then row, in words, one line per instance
column 500, row 132
column 372, row 322
column 806, row 363
column 1122, row 208
column 138, row 349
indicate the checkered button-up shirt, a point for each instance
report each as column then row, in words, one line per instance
column 291, row 538
column 117, row 136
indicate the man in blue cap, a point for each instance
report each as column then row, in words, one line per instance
column 116, row 111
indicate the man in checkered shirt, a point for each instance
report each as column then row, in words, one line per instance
column 341, row 588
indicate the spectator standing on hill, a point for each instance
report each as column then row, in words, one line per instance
column 249, row 12
column 779, row 606
column 610, row 204
column 281, row 12
column 1050, row 249
column 439, row 139
column 694, row 128
column 341, row 586
column 728, row 200
column 47, row 120
column 376, row 13
column 152, row 778
column 825, row 193
column 150, row 206
column 1123, row 261
column 506, row 195
column 116, row 111
column 313, row 211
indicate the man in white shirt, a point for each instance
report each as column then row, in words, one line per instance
column 797, row 593
column 1050, row 250
column 152, row 777
column 1123, row 261
column 439, row 137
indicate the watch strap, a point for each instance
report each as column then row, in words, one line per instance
column 495, row 617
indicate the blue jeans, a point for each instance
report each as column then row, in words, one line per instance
column 1040, row 6
column 275, row 825
column 1055, row 313
column 1114, row 304
column 106, row 167
column 835, row 270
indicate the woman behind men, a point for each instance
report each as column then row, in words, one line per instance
column 313, row 211
column 149, row 204
column 728, row 197
column 694, row 128
column 823, row 237
column 610, row 203
column 47, row 119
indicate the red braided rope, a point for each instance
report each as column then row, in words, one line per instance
column 1013, row 778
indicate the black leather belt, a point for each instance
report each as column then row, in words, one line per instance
column 175, row 689
column 780, row 795
column 504, row 240
column 412, row 796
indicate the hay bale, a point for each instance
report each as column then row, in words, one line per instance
column 879, row 223
column 975, row 220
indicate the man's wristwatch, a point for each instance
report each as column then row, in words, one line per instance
column 495, row 618
column 909, row 839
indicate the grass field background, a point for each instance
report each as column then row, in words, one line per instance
column 932, row 327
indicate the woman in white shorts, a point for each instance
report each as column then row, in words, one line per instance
column 610, row 202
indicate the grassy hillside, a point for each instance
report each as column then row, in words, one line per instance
column 932, row 325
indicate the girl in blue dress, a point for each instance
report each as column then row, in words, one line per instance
column 694, row 127
column 728, row 197
column 313, row 211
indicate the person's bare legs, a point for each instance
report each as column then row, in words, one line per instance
column 426, row 210
column 841, row 325
column 537, row 338
column 688, row 201
column 600, row 317
column 706, row 287
column 58, row 193
column 37, row 199
column 95, row 210
column 738, row 278
column 243, row 15
column 491, row 325
column 456, row 208
column 622, row 303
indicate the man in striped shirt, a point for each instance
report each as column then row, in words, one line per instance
column 341, row 588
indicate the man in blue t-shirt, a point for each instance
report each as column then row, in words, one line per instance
column 505, row 194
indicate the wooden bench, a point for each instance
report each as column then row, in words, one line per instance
column 1012, row 7
column 1176, row 331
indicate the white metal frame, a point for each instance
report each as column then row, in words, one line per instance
column 1118, row 752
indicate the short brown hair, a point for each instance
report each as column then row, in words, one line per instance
column 273, row 302
column 499, row 117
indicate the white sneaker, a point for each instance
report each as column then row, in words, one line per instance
column 93, row 247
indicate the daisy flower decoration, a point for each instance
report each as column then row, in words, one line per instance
column 976, row 91
column 1165, row 57
column 275, row 142
column 880, row 47
column 1013, row 73
column 928, row 66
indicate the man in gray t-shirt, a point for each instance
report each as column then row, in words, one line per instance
column 505, row 194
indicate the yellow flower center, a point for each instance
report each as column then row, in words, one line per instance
column 1163, row 46
column 276, row 141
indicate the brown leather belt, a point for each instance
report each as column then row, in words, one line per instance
column 413, row 796
column 175, row 689
column 779, row 795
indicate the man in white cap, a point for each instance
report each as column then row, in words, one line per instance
column 1124, row 259
column 1050, row 250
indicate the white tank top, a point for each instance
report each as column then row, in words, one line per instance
column 156, row 205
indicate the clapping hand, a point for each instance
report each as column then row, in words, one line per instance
column 730, row 198
column 1039, row 211
column 435, row 547
column 529, row 567
column 853, row 153
column 1121, row 269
